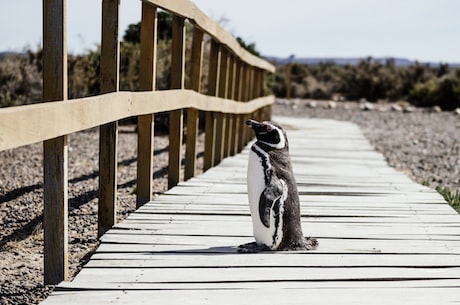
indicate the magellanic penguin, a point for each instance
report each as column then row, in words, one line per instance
column 272, row 191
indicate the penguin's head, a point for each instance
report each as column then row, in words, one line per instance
column 269, row 133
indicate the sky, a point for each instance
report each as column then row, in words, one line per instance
column 423, row 30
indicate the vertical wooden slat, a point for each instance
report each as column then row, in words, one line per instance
column 254, row 83
column 239, row 120
column 221, row 117
column 261, row 82
column 176, row 116
column 145, row 146
column 230, row 132
column 210, row 127
column 192, row 114
column 245, row 97
column 250, row 82
column 108, row 137
column 245, row 85
column 55, row 158
column 250, row 85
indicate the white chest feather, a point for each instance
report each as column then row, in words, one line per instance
column 259, row 165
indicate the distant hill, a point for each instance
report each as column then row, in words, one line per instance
column 401, row 62
column 11, row 53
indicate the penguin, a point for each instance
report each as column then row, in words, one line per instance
column 272, row 192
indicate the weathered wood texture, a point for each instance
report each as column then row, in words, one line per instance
column 176, row 117
column 108, row 138
column 383, row 239
column 55, row 149
column 193, row 114
column 145, row 125
column 45, row 121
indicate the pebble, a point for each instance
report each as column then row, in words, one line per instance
column 366, row 106
column 396, row 107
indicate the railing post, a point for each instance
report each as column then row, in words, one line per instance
column 176, row 116
column 145, row 144
column 221, row 117
column 230, row 133
column 239, row 96
column 55, row 150
column 108, row 138
column 192, row 114
column 210, row 127
column 235, row 128
column 246, row 97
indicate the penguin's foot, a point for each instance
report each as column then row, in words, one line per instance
column 311, row 243
column 252, row 248
column 307, row 243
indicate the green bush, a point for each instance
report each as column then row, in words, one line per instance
column 443, row 91
column 20, row 80
column 421, row 84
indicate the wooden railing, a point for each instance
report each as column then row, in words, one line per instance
column 234, row 93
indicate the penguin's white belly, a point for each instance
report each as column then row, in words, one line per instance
column 256, row 185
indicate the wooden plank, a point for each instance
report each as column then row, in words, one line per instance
column 261, row 273
column 210, row 127
column 229, row 135
column 176, row 116
column 220, row 137
column 239, row 122
column 46, row 121
column 55, row 157
column 100, row 260
column 55, row 216
column 145, row 123
column 108, row 133
column 192, row 114
column 378, row 242
column 221, row 118
column 265, row 295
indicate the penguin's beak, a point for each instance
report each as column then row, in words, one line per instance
column 252, row 123
column 258, row 127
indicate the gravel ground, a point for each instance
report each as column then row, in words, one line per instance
column 425, row 145
column 422, row 143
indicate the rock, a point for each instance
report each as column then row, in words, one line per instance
column 436, row 109
column 331, row 105
column 396, row 107
column 338, row 97
column 409, row 109
column 312, row 104
column 457, row 111
column 367, row 106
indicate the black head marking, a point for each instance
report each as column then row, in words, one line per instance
column 269, row 133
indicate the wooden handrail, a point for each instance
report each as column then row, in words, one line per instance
column 234, row 92
column 189, row 10
column 22, row 125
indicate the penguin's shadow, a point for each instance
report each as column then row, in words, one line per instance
column 218, row 250
column 222, row 250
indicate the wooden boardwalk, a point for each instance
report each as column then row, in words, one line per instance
column 383, row 238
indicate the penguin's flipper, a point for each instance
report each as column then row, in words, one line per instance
column 269, row 200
